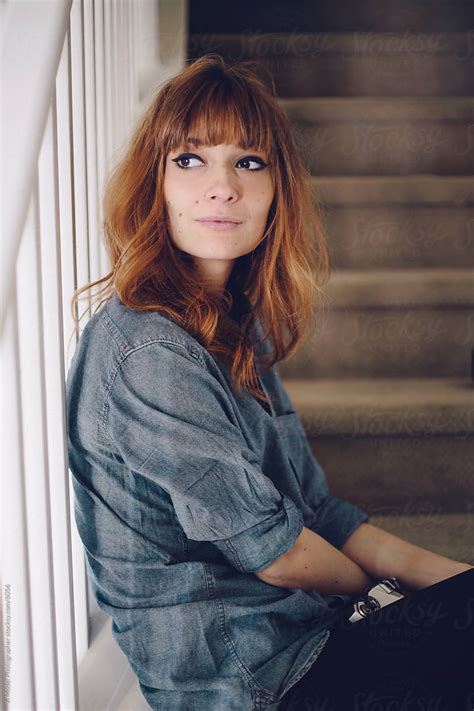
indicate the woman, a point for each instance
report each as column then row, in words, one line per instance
column 210, row 535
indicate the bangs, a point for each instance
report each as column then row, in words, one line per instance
column 219, row 112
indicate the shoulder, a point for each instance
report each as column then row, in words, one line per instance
column 117, row 336
column 131, row 330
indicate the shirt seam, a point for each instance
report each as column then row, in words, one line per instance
column 126, row 348
column 244, row 566
column 228, row 641
column 126, row 354
column 306, row 665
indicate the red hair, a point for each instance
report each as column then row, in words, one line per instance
column 210, row 103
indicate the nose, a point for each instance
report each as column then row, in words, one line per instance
column 222, row 186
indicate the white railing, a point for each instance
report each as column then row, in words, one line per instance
column 73, row 74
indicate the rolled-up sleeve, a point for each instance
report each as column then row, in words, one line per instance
column 172, row 421
column 334, row 519
column 337, row 519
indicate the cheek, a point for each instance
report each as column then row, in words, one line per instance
column 267, row 195
column 262, row 201
column 174, row 206
column 265, row 201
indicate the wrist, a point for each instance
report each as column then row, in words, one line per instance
column 425, row 568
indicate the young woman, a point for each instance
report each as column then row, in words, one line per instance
column 210, row 535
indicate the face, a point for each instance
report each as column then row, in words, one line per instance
column 222, row 182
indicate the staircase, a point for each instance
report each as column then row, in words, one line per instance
column 381, row 101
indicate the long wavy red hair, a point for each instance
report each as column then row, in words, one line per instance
column 279, row 283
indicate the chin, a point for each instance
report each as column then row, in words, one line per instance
column 216, row 252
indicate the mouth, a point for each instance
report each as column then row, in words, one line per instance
column 220, row 224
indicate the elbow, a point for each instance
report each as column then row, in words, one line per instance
column 279, row 572
column 271, row 578
column 274, row 574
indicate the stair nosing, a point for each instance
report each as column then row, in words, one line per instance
column 409, row 407
column 442, row 287
column 348, row 109
column 338, row 42
column 410, row 189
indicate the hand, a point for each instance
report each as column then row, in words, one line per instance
column 382, row 555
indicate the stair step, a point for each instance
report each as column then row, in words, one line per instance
column 352, row 64
column 207, row 16
column 391, row 323
column 396, row 237
column 349, row 289
column 450, row 534
column 384, row 406
column 417, row 190
column 383, row 135
column 379, row 108
column 392, row 445
column 397, row 221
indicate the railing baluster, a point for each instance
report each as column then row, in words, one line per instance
column 133, row 96
column 18, row 678
column 128, row 60
column 108, row 60
column 79, row 146
column 35, row 452
column 69, row 283
column 49, row 201
column 66, row 196
column 100, row 83
column 91, row 140
column 115, row 78
column 83, row 273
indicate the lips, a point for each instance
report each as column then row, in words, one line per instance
column 219, row 218
column 219, row 225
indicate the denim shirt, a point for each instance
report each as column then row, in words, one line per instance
column 182, row 492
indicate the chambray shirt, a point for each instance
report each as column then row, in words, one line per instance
column 182, row 491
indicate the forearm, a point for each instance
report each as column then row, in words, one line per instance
column 313, row 563
column 381, row 555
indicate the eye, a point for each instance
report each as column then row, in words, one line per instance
column 186, row 157
column 254, row 159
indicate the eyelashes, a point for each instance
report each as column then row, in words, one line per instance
column 247, row 159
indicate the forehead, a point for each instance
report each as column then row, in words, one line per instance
column 220, row 113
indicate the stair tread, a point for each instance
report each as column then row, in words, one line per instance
column 347, row 109
column 351, row 288
column 359, row 42
column 394, row 189
column 387, row 406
